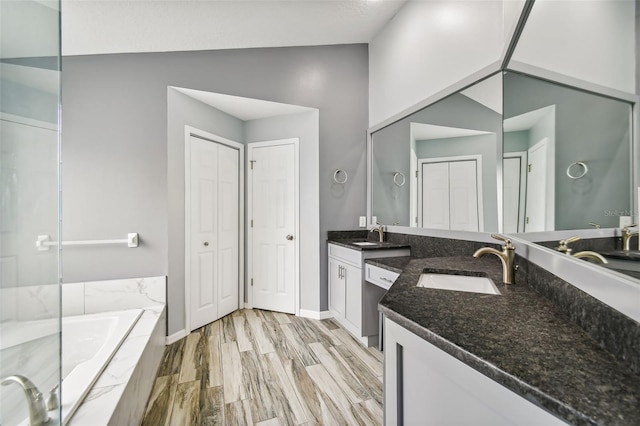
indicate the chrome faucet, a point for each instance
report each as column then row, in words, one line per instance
column 627, row 235
column 563, row 247
column 379, row 228
column 38, row 415
column 506, row 256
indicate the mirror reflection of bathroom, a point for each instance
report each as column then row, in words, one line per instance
column 567, row 157
column 448, row 150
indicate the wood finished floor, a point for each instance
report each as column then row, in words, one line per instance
column 267, row 368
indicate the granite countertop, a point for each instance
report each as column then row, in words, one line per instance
column 376, row 245
column 520, row 339
column 633, row 255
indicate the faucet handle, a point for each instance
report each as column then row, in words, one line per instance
column 564, row 244
column 506, row 240
column 595, row 225
column 626, row 228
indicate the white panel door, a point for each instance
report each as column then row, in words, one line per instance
column 273, row 227
column 463, row 196
column 435, row 195
column 214, row 231
column 228, row 230
column 511, row 178
column 536, row 186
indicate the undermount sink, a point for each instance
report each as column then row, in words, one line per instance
column 458, row 283
column 364, row 243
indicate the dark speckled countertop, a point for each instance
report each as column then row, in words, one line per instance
column 349, row 243
column 520, row 339
column 623, row 254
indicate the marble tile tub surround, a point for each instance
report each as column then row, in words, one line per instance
column 520, row 339
column 41, row 302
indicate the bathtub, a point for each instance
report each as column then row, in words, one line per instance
column 88, row 344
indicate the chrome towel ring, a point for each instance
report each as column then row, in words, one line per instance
column 579, row 168
column 398, row 178
column 338, row 179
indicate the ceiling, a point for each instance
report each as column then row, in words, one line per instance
column 423, row 132
column 120, row 26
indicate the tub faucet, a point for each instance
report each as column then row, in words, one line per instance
column 506, row 256
column 38, row 415
column 379, row 228
column 627, row 235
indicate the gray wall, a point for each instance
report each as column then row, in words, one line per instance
column 483, row 145
column 588, row 128
column 115, row 144
column 391, row 150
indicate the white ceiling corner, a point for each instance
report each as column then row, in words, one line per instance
column 423, row 132
column 124, row 26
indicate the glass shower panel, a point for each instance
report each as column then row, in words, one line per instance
column 29, row 205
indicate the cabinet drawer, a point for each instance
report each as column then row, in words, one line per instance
column 379, row 276
column 353, row 257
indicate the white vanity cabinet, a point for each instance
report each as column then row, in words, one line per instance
column 352, row 302
column 423, row 385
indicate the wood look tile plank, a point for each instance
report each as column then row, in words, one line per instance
column 282, row 345
column 376, row 353
column 309, row 396
column 306, row 334
column 212, row 406
column 299, row 346
column 289, row 398
column 260, row 385
column 330, row 324
column 368, row 380
column 368, row 413
column 238, row 413
column 282, row 318
column 325, row 383
column 191, row 359
column 365, row 356
column 160, row 404
column 186, row 404
column 322, row 332
column 340, row 374
column 264, row 344
column 228, row 331
column 215, row 356
column 271, row 422
column 234, row 389
column 243, row 334
column 172, row 359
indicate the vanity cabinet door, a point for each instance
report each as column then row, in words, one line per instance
column 336, row 287
column 423, row 385
column 353, row 291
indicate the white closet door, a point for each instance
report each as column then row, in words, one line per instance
column 435, row 195
column 536, row 209
column 214, row 231
column 511, row 170
column 463, row 196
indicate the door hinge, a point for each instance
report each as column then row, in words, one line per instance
column 416, row 174
column 252, row 223
column 529, row 168
column 251, row 282
column 252, row 161
column 527, row 221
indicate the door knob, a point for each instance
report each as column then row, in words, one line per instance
column 289, row 237
column 206, row 243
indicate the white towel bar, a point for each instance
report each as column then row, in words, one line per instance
column 44, row 242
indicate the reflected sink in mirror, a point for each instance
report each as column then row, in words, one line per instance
column 458, row 283
column 364, row 243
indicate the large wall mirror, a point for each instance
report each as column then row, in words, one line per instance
column 542, row 148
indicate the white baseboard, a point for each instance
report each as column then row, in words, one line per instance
column 318, row 315
column 247, row 306
column 175, row 337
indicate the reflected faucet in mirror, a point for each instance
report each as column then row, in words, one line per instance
column 627, row 234
column 563, row 247
column 506, row 256
column 379, row 228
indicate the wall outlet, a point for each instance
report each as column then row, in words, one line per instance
column 363, row 221
column 374, row 220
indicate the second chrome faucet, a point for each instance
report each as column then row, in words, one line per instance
column 506, row 256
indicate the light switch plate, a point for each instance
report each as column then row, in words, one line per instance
column 363, row 221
